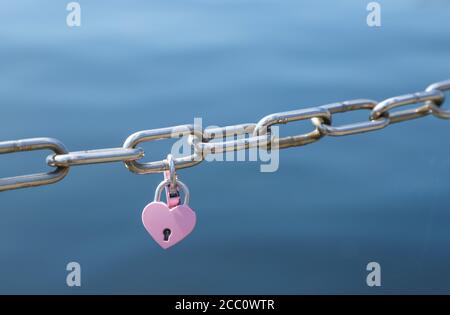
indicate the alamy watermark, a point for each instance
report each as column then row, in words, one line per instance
column 229, row 144
column 374, row 17
column 73, row 278
column 373, row 279
column 73, row 18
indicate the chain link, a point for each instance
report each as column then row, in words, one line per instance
column 38, row 179
column 435, row 107
column 158, row 134
column 253, row 135
column 354, row 128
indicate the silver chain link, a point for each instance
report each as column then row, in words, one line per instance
column 256, row 135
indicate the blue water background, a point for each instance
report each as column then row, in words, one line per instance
column 310, row 227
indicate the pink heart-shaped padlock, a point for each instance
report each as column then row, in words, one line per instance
column 168, row 226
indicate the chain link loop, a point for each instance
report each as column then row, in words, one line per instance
column 435, row 106
column 354, row 128
column 263, row 126
column 408, row 99
column 158, row 134
column 38, row 179
column 95, row 157
column 202, row 142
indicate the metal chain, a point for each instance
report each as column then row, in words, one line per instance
column 256, row 135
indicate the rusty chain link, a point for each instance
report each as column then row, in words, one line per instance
column 255, row 135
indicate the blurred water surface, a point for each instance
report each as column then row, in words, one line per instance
column 310, row 227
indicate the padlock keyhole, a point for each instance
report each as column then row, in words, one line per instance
column 167, row 233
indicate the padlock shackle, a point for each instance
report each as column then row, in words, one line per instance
column 167, row 182
column 172, row 175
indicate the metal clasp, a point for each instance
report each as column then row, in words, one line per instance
column 172, row 193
